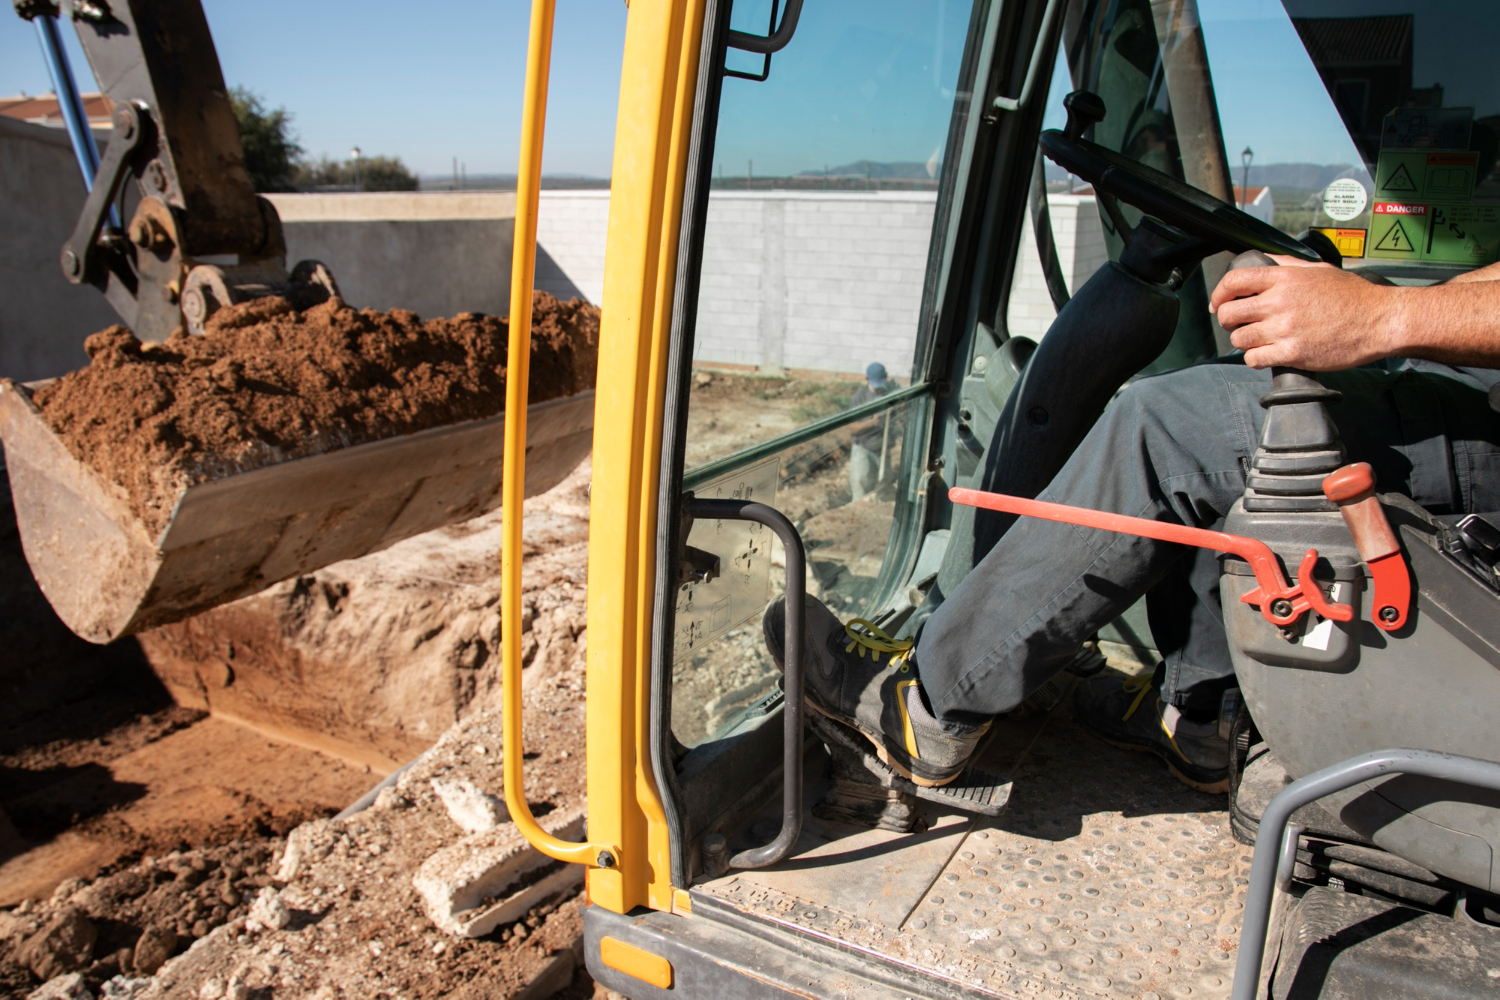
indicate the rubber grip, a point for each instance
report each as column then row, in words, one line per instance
column 1353, row 489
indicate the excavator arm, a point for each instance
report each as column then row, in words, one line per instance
column 175, row 136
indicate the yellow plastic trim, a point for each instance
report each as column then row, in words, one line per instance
column 657, row 83
column 513, row 489
column 637, row 962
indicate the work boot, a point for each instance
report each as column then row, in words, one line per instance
column 1129, row 713
column 857, row 675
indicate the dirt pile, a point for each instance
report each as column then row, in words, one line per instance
column 373, row 658
column 131, row 922
column 331, row 911
column 268, row 383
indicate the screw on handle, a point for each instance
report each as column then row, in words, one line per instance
column 1352, row 487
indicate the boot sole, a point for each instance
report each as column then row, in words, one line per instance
column 885, row 755
column 1219, row 787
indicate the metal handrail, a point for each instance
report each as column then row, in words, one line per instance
column 791, row 656
column 1276, row 843
column 710, row 471
column 513, row 488
column 1034, row 68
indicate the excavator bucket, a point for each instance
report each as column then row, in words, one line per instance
column 107, row 576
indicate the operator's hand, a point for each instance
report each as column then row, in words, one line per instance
column 1312, row 316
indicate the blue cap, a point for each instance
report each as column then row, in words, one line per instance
column 875, row 374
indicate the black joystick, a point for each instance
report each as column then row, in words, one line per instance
column 1084, row 109
column 1299, row 444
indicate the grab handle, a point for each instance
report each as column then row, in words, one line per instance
column 513, row 488
column 791, row 719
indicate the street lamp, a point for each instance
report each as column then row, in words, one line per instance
column 1245, row 158
column 356, row 154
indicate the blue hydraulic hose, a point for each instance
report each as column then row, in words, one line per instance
column 67, row 98
column 70, row 104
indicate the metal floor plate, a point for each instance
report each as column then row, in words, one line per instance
column 1104, row 878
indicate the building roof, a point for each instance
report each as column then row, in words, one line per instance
column 44, row 110
column 1357, row 41
column 1254, row 193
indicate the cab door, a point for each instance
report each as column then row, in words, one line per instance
column 853, row 201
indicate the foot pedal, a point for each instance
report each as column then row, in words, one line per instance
column 974, row 791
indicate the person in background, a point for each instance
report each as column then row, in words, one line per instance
column 871, row 437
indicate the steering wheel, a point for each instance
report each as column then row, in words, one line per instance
column 1218, row 224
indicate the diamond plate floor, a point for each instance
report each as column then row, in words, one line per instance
column 1104, row 878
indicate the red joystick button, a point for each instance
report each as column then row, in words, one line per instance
column 1352, row 482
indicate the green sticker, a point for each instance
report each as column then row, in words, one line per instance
column 1463, row 234
column 1398, row 230
column 1426, row 175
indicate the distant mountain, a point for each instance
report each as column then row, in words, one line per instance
column 1309, row 176
column 1306, row 176
column 868, row 168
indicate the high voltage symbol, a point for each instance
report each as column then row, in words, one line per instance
column 1396, row 238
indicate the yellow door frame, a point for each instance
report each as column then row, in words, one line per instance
column 658, row 81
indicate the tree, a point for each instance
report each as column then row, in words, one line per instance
column 271, row 152
column 376, row 173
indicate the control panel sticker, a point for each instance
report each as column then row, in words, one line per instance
column 1463, row 234
column 1397, row 230
column 1344, row 199
column 1425, row 176
column 1348, row 242
column 1427, row 128
column 737, row 590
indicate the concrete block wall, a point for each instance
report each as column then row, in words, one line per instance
column 571, row 228
column 43, row 319
column 435, row 253
column 1080, row 252
column 817, row 280
column 825, row 281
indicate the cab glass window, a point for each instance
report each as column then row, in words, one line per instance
column 1376, row 125
column 823, row 192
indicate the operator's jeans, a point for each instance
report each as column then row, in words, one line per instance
column 1176, row 447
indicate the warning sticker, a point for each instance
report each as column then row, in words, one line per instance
column 1463, row 234
column 1427, row 128
column 1397, row 230
column 1344, row 199
column 1348, row 242
column 1424, row 176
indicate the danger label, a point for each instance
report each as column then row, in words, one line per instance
column 1398, row 229
column 1452, row 233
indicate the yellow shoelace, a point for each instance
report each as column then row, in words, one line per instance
column 1138, row 686
column 869, row 636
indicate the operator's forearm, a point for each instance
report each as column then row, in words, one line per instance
column 1490, row 272
column 1456, row 323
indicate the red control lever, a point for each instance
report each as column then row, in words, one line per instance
column 1353, row 489
column 1279, row 602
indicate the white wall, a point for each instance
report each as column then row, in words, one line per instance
column 827, row 281
column 1080, row 252
column 43, row 319
column 819, row 280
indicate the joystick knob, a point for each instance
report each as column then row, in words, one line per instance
column 1084, row 109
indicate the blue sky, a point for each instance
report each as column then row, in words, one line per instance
column 426, row 82
column 866, row 80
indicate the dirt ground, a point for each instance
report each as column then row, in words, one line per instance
column 160, row 823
